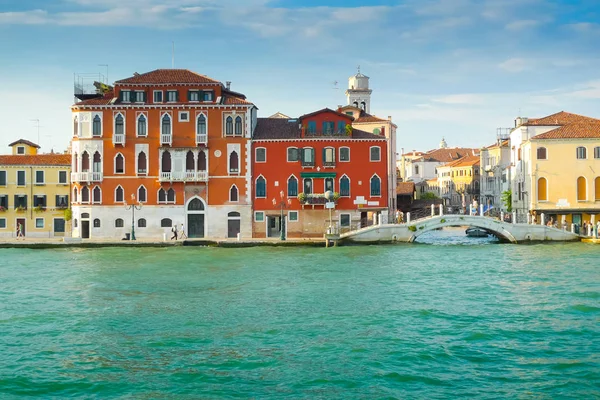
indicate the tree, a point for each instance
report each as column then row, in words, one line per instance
column 507, row 200
column 428, row 196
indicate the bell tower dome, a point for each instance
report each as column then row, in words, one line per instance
column 358, row 93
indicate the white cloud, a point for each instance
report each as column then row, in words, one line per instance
column 515, row 65
column 522, row 24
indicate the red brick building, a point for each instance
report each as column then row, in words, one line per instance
column 295, row 161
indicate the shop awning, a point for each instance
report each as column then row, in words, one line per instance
column 317, row 174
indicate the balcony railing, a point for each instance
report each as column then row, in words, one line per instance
column 119, row 138
column 329, row 163
column 306, row 163
column 166, row 139
column 201, row 139
column 86, row 176
column 187, row 176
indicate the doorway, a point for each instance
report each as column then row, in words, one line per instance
column 196, row 218
column 21, row 221
column 273, row 226
column 233, row 224
column 59, row 227
column 85, row 225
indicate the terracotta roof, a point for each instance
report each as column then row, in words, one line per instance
column 369, row 118
column 279, row 128
column 23, row 141
column 168, row 76
column 447, row 154
column 326, row 110
column 235, row 100
column 39, row 159
column 560, row 118
column 98, row 101
column 405, row 188
column 580, row 130
column 466, row 161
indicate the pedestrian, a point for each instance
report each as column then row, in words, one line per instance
column 401, row 217
column 20, row 233
column 397, row 216
column 182, row 232
column 174, row 230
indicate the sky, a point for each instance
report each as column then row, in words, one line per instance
column 457, row 69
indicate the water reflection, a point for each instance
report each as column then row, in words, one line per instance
column 454, row 236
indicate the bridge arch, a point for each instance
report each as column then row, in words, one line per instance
column 493, row 226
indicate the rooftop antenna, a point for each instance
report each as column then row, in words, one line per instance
column 335, row 85
column 358, row 68
column 105, row 65
column 173, row 55
column 37, row 124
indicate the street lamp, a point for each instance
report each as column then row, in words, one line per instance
column 132, row 207
column 282, row 205
column 329, row 197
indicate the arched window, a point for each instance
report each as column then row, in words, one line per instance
column 97, row 164
column 97, row 223
column 166, row 223
column 76, row 126
column 234, row 214
column 363, row 105
column 97, row 126
column 141, row 126
column 119, row 223
column 75, row 163
column 189, row 161
column 292, row 185
column 141, row 223
column 581, row 189
column 85, row 194
column 542, row 189
column 171, row 195
column 375, row 186
column 344, row 186
column 142, row 194
column 119, row 164
column 196, row 205
column 202, row 161
column 166, row 161
column 162, row 196
column 597, row 189
column 75, row 195
column 229, row 126
column 261, row 187
column 201, row 126
column 85, row 162
column 234, row 163
column 119, row 195
column 166, row 125
column 238, row 126
column 142, row 163
column 233, row 193
column 581, row 153
column 119, row 125
column 541, row 153
column 308, row 185
column 97, row 195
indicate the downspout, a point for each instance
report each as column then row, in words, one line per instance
column 31, row 192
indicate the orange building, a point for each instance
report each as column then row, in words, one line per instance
column 295, row 161
column 171, row 140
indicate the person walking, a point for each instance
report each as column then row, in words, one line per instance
column 182, row 232
column 20, row 233
column 174, row 230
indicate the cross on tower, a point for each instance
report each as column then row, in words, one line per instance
column 358, row 67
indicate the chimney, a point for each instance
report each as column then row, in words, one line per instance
column 228, row 85
column 389, row 117
column 136, row 74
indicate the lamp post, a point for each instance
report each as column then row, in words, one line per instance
column 133, row 207
column 329, row 197
column 282, row 204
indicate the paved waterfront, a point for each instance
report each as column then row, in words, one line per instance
column 413, row 321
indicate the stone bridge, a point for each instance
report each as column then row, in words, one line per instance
column 408, row 232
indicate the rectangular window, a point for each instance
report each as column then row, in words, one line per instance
column 20, row 150
column 184, row 116
column 345, row 154
column 4, row 202
column 171, row 96
column 126, row 96
column 140, row 97
column 293, row 216
column 328, row 127
column 62, row 177
column 344, row 220
column 597, row 152
column 292, row 154
column 20, row 178
column 375, row 154
column 341, row 127
column 193, row 95
column 2, row 178
column 39, row 177
column 208, row 96
column 158, row 96
column 259, row 216
column 261, row 154
column 328, row 157
column 62, row 201
column 2, row 223
column 312, row 127
column 329, row 184
column 308, row 157
column 20, row 201
column 39, row 223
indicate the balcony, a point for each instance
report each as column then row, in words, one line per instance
column 86, row 176
column 201, row 139
column 181, row 176
column 166, row 140
column 308, row 163
column 330, row 164
column 119, row 138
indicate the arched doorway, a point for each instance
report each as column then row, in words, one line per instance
column 196, row 218
column 234, row 220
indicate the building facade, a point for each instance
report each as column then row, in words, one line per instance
column 34, row 191
column 295, row 161
column 174, row 143
column 460, row 182
column 495, row 174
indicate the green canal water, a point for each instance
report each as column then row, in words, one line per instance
column 408, row 321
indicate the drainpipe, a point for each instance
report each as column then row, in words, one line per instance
column 30, row 192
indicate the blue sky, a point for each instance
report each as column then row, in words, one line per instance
column 457, row 69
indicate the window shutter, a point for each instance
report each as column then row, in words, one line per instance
column 25, row 201
column 44, row 199
column 177, row 95
column 301, row 155
column 324, row 127
column 189, row 95
column 324, row 155
column 67, row 200
column 16, row 200
column 57, row 200
column 201, row 95
column 145, row 97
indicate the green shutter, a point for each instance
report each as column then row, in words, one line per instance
column 16, row 200
column 324, row 155
column 177, row 95
column 57, row 200
column 45, row 204
column 189, row 95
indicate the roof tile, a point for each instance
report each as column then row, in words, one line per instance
column 174, row 76
column 39, row 159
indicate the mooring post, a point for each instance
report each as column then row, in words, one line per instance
column 514, row 217
column 481, row 210
column 408, row 217
column 502, row 216
column 528, row 219
column 563, row 222
column 572, row 228
column 432, row 210
column 380, row 222
column 441, row 209
column 543, row 219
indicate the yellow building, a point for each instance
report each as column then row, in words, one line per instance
column 559, row 168
column 34, row 191
column 459, row 181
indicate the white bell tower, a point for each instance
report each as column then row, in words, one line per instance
column 358, row 93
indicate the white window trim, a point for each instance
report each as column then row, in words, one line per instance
column 115, row 195
column 287, row 154
column 162, row 97
column 243, row 121
column 190, row 91
column 287, row 185
column 255, row 181
column 256, row 213
column 92, row 195
column 137, row 165
column 99, row 115
column 130, row 92
column 43, row 222
column 238, row 193
column 115, row 115
column 66, row 176
column 160, row 123
column 324, row 185
column 312, row 185
column 89, row 195
column 212, row 96
column 198, row 114
column 23, row 147
column 115, row 164
column 166, row 201
column 256, row 155
column 137, row 193
column 43, row 182
column 380, row 186
column 184, row 113
column 340, row 153
column 137, row 119
column 135, row 93
column 5, row 224
column 229, row 171
column 314, row 161
column 25, row 174
column 290, row 218
column 372, row 147
column 349, row 220
column 167, row 96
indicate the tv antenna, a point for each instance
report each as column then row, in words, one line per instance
column 335, row 85
column 37, row 124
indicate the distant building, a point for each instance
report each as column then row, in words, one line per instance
column 34, row 191
column 459, row 182
column 495, row 173
column 405, row 194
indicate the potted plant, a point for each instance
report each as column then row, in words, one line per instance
column 2, row 209
column 21, row 209
column 302, row 198
column 39, row 209
column 336, row 196
column 349, row 130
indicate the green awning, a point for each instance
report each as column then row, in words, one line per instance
column 317, row 174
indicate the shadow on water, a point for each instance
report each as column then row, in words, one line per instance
column 454, row 236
